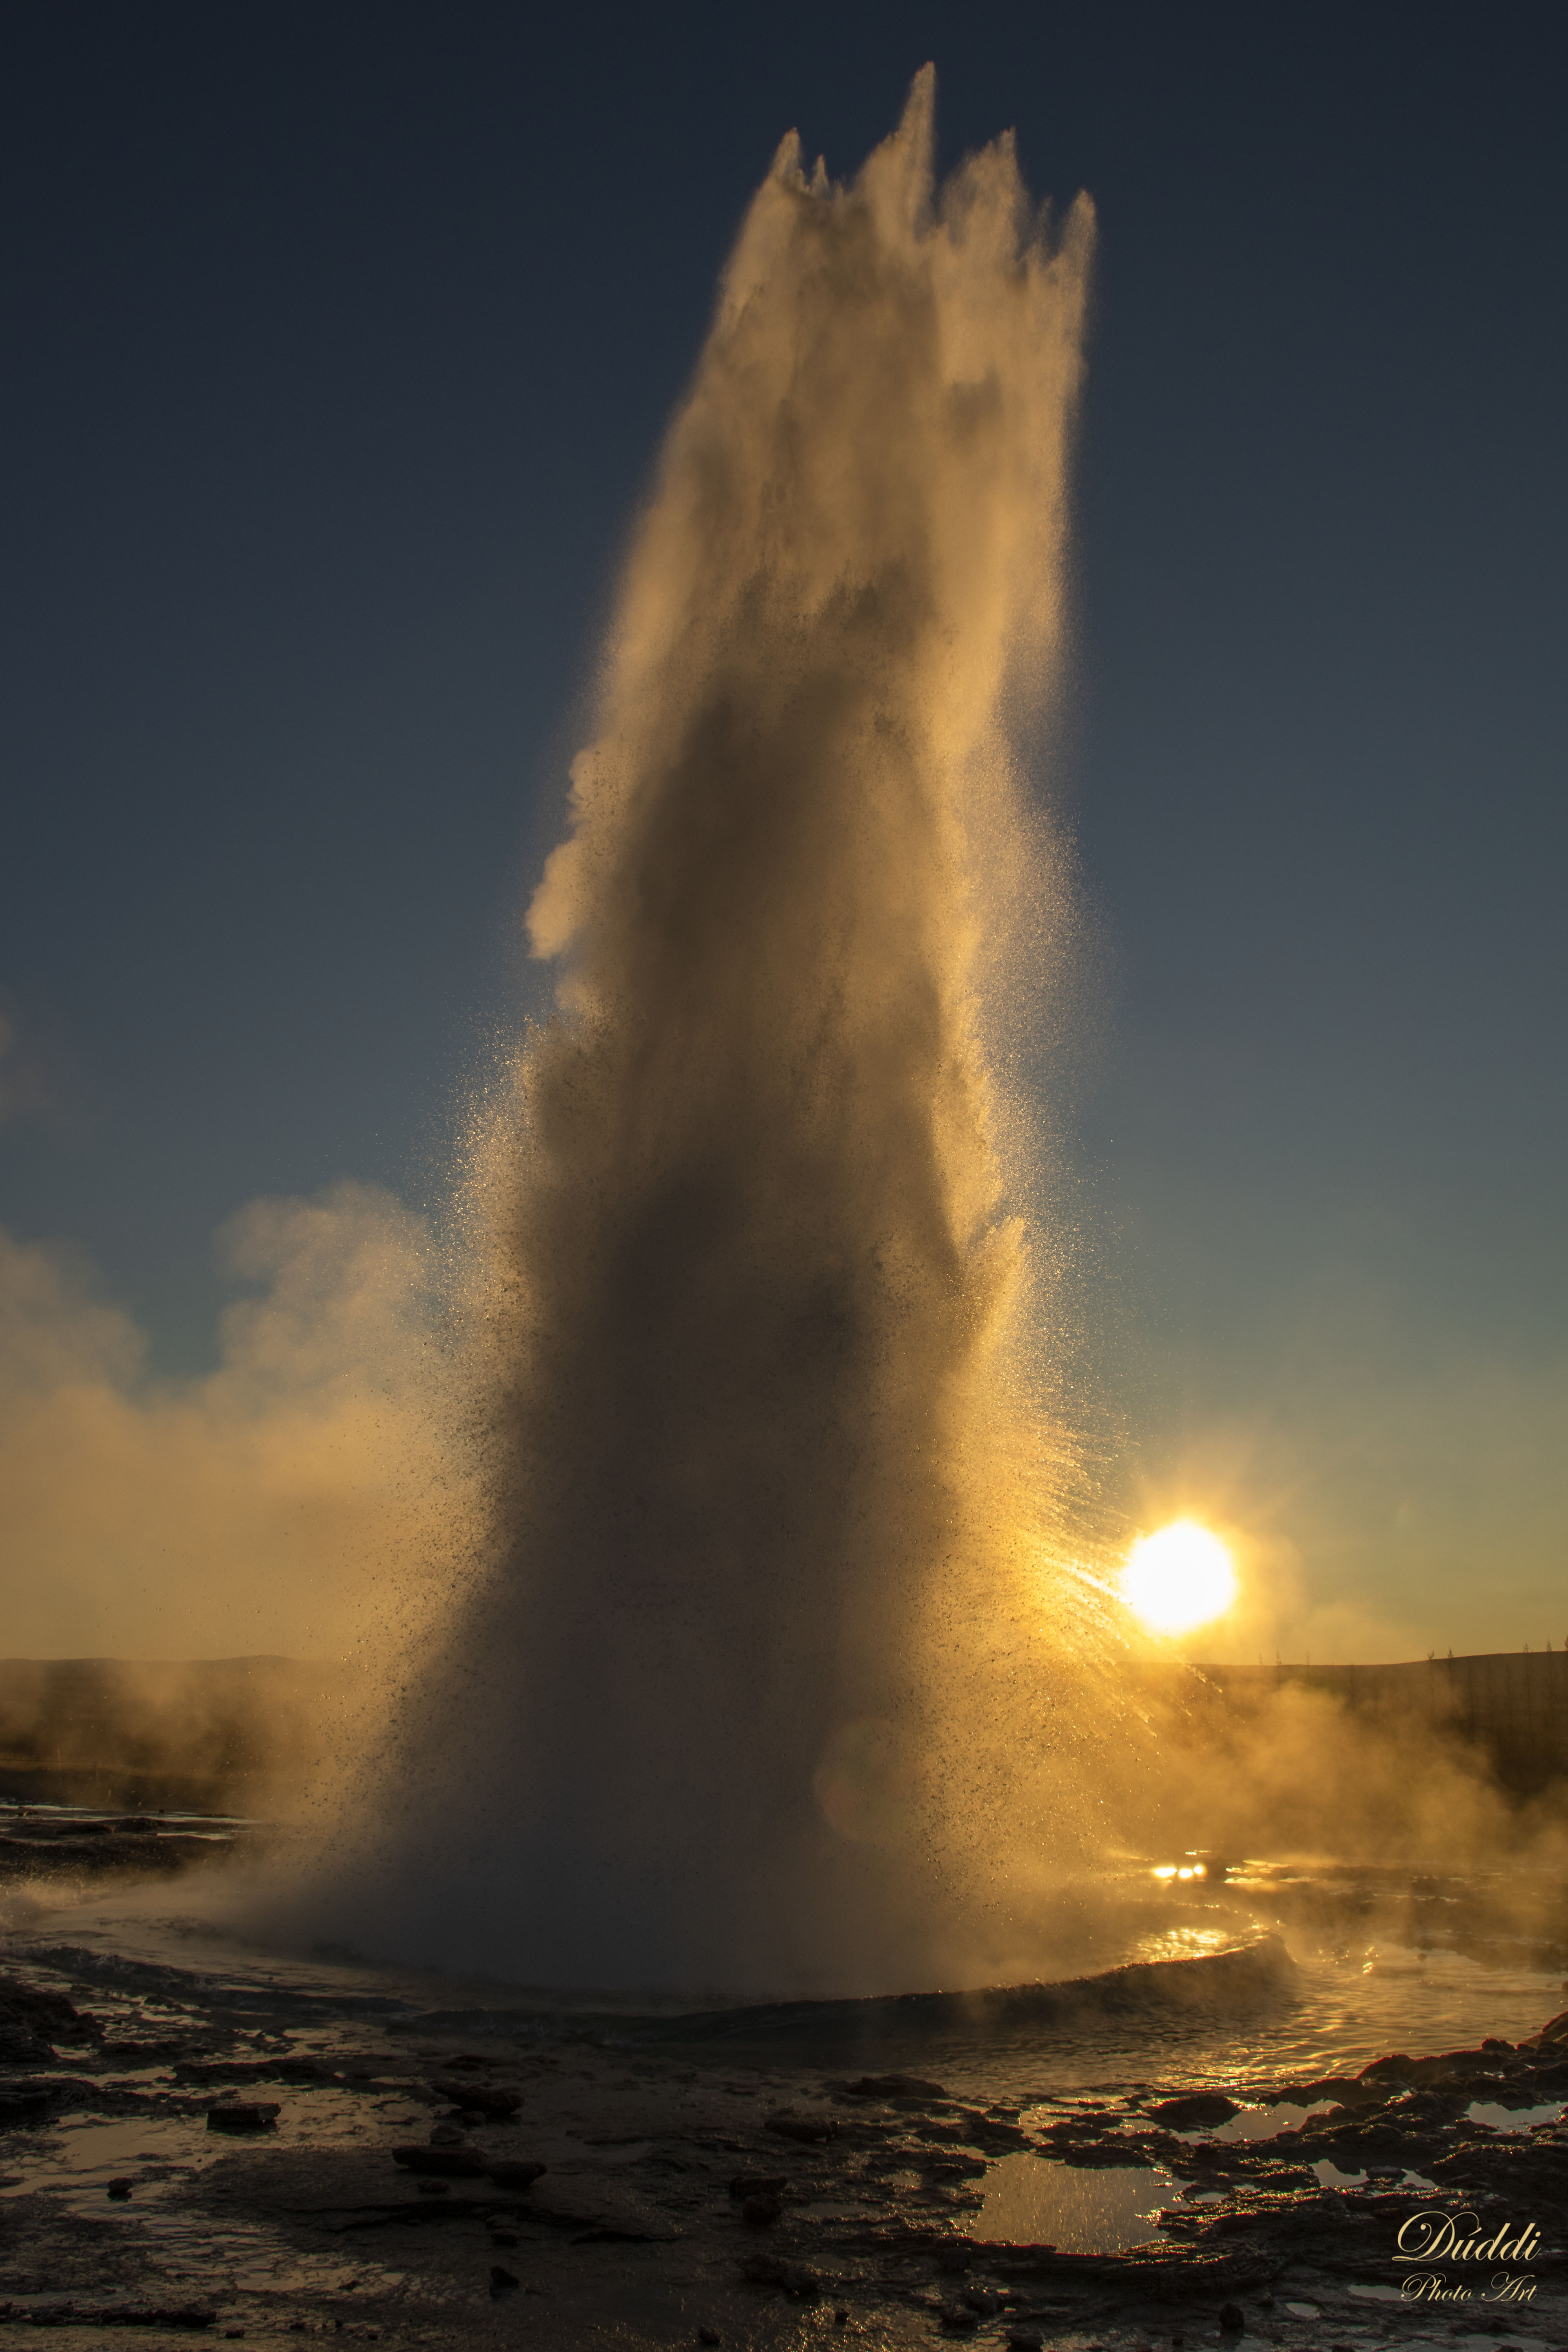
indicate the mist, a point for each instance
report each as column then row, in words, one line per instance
column 292, row 1500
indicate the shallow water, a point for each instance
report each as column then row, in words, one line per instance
column 1361, row 1988
column 1031, row 2200
column 157, row 2157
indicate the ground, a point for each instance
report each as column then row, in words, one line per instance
column 421, row 2184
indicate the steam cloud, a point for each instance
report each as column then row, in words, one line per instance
column 285, row 1502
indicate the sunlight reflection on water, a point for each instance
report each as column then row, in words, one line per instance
column 1031, row 2200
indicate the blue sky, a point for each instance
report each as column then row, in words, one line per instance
column 340, row 338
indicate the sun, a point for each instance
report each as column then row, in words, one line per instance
column 1178, row 1578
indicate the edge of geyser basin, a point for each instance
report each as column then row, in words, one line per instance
column 1247, row 1973
column 1242, row 1975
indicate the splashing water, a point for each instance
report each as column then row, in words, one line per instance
column 763, row 1674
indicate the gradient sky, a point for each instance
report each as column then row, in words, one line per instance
column 340, row 340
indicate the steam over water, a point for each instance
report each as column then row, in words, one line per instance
column 763, row 1676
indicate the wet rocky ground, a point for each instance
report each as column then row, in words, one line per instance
column 204, row 2165
column 231, row 2151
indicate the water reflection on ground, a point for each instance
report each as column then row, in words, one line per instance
column 138, row 2169
column 1030, row 2201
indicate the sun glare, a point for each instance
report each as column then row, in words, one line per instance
column 1178, row 1578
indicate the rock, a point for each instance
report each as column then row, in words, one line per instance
column 809, row 2130
column 479, row 2098
column 24, row 2103
column 1395, row 2068
column 516, row 2172
column 1231, row 2318
column 503, row 2281
column 1197, row 2112
column 20, row 2046
column 891, row 2087
column 243, row 2116
column 120, row 2190
column 447, row 2135
column 1345, row 2090
column 958, row 2318
column 760, row 2212
column 49, row 2014
column 709, row 2335
column 991, row 2131
column 759, row 2184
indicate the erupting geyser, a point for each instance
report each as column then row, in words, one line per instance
column 760, row 1676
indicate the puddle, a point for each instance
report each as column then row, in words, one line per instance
column 1380, row 2177
column 160, row 2156
column 1262, row 2123
column 156, row 2150
column 1031, row 2200
column 77, row 2161
column 1512, row 2119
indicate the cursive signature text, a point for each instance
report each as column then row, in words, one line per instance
column 1427, row 2237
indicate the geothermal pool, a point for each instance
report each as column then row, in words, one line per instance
column 1374, row 1957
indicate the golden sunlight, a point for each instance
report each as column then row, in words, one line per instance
column 1178, row 1578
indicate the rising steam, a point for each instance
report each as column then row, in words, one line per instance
column 759, row 1677
column 272, row 1503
